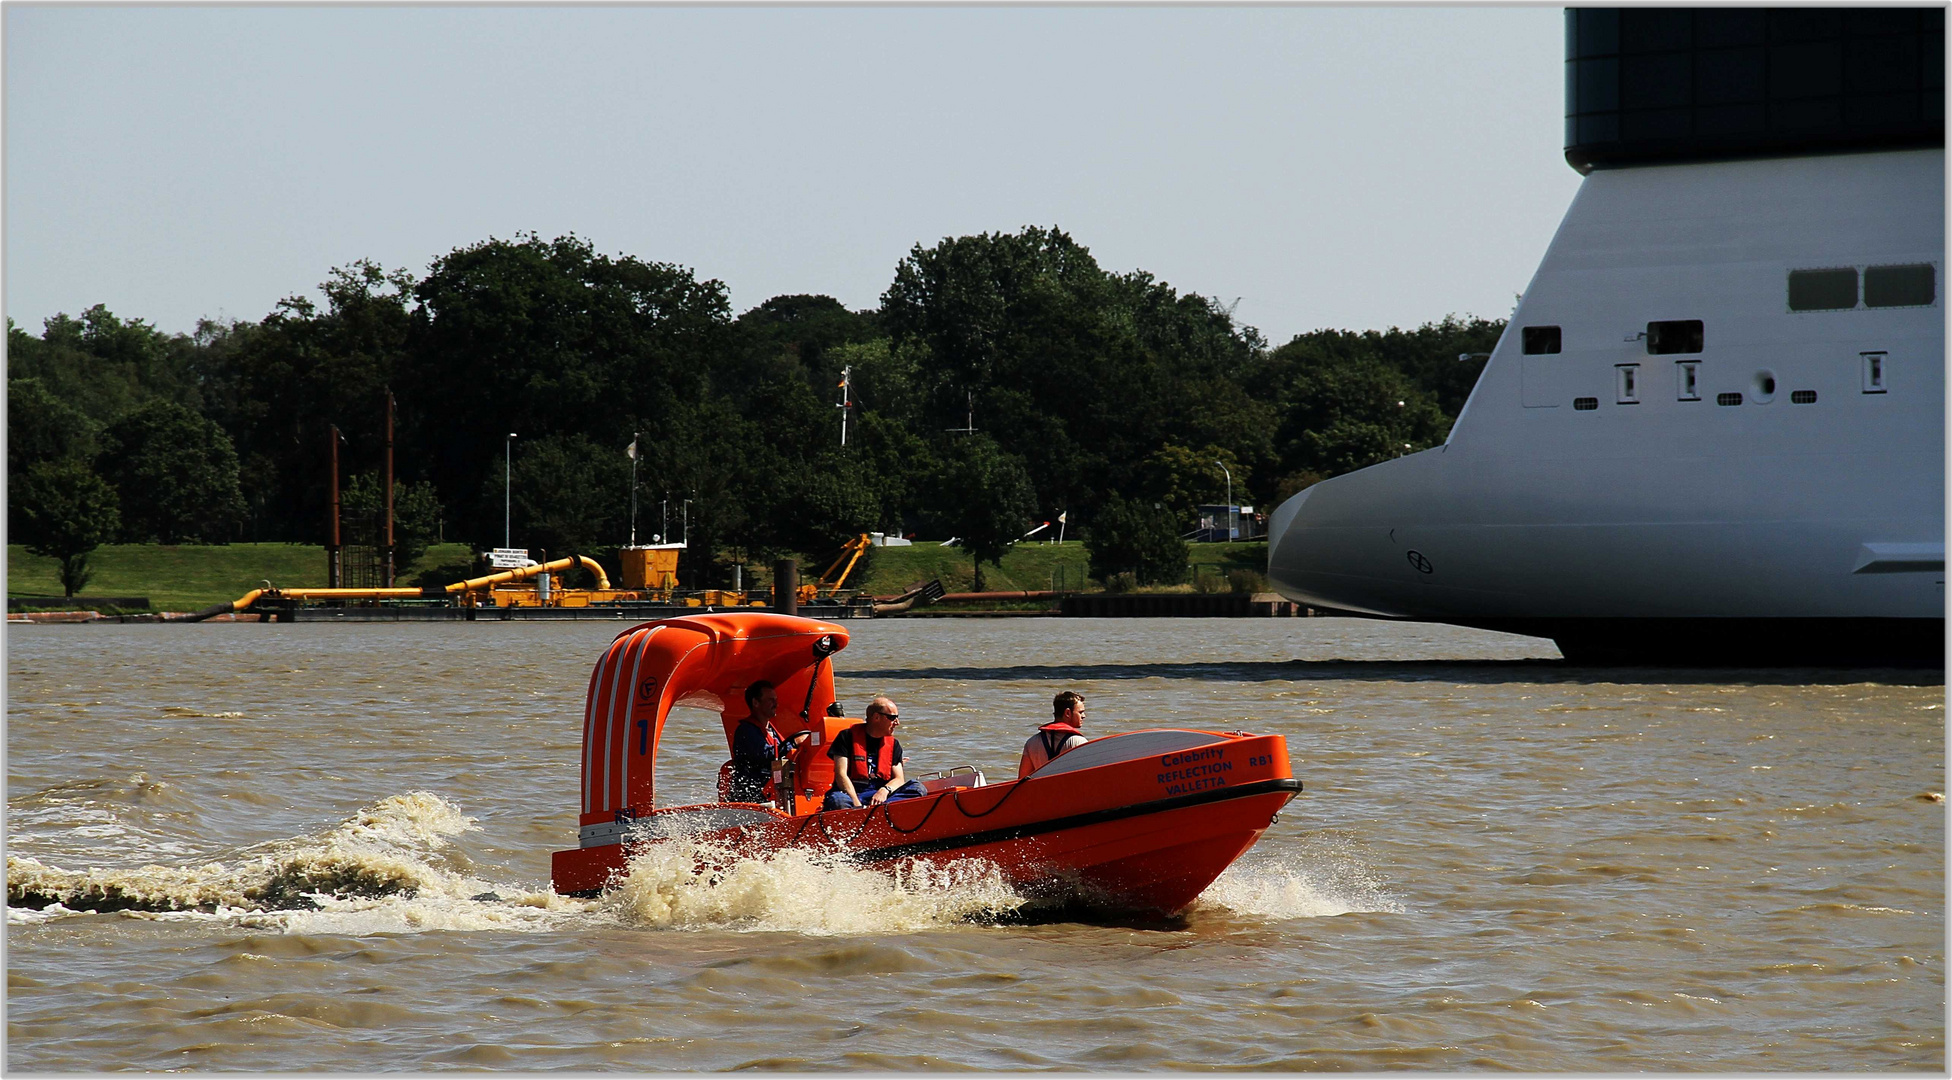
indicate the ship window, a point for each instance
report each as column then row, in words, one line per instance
column 1596, row 32
column 1540, row 340
column 1716, row 28
column 1585, row 404
column 1687, row 381
column 1900, row 286
column 1627, row 383
column 1729, row 76
column 1658, row 81
column 1728, row 399
column 1676, row 336
column 1598, row 89
column 1823, row 290
column 1656, row 30
column 1873, row 372
column 1802, row 397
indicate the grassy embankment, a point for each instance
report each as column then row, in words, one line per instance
column 1033, row 567
column 186, row 578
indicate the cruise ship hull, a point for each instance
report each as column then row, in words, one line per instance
column 1772, row 495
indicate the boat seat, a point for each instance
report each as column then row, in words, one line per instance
column 959, row 778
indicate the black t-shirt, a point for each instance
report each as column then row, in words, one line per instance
column 869, row 754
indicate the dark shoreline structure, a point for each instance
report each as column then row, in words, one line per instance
column 1687, row 520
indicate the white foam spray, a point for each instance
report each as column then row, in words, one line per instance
column 394, row 852
column 390, row 868
column 679, row 884
column 1325, row 879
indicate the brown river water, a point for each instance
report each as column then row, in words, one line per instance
column 1498, row 862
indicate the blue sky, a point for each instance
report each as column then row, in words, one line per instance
column 1326, row 167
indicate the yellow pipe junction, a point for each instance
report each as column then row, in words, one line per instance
column 270, row 591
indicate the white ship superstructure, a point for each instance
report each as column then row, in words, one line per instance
column 1714, row 428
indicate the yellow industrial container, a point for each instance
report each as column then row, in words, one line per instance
column 650, row 567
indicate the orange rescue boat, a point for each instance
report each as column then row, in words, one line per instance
column 1141, row 821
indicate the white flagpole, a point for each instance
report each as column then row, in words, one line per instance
column 846, row 399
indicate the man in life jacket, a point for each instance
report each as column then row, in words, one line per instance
column 867, row 762
column 757, row 746
column 1061, row 734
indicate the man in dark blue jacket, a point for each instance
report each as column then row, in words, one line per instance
column 757, row 745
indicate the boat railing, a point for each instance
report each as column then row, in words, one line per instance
column 962, row 776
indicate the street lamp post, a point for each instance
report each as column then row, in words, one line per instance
column 633, row 489
column 1230, row 499
column 508, row 474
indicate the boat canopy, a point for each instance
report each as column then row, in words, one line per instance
column 704, row 661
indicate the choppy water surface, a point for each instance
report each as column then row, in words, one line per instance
column 1499, row 862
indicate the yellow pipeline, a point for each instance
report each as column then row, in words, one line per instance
column 405, row 593
column 526, row 572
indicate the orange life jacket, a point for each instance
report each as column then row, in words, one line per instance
column 1062, row 732
column 857, row 765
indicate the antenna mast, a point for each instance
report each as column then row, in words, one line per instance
column 970, row 425
column 846, row 399
column 389, row 568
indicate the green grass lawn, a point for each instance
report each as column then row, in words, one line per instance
column 188, row 577
column 1028, row 566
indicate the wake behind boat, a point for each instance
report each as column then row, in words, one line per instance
column 1142, row 821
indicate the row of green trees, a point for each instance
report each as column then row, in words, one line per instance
column 1004, row 379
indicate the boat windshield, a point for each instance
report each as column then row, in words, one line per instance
column 1137, row 744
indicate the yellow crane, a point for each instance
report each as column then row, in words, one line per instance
column 835, row 578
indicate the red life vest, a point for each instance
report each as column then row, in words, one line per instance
column 1063, row 731
column 884, row 759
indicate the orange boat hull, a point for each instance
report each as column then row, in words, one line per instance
column 1143, row 832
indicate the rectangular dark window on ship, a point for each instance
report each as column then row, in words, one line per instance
column 1626, row 383
column 1676, row 336
column 1900, row 286
column 1874, row 372
column 1823, row 290
column 1540, row 340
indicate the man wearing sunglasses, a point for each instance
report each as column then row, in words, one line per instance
column 867, row 762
